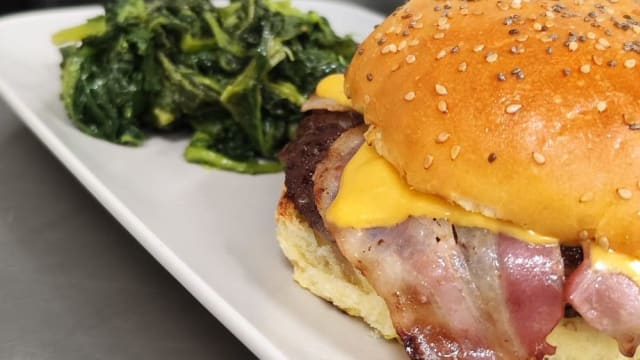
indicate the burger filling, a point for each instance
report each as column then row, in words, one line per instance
column 456, row 291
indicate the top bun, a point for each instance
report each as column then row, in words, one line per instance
column 525, row 111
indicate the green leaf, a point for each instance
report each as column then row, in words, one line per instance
column 93, row 27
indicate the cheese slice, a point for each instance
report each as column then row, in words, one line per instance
column 332, row 87
column 372, row 194
column 611, row 261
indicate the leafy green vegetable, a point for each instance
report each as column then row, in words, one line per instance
column 234, row 75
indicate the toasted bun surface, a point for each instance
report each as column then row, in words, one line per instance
column 320, row 268
column 530, row 118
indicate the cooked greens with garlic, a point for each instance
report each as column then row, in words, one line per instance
column 233, row 76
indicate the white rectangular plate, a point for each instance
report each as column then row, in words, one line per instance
column 213, row 230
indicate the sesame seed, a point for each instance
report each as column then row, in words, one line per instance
column 410, row 95
column 395, row 67
column 442, row 106
column 583, row 235
column 442, row 53
column 367, row 99
column 523, row 38
column 462, row 67
column 416, row 25
column 391, row 48
column 603, row 242
column 630, row 63
column 566, row 71
column 410, row 59
column 414, row 42
column 442, row 137
column 573, row 46
column 491, row 57
column 513, row 108
column 442, row 21
column 612, row 63
column 514, row 32
column 441, row 89
column 501, row 76
column 539, row 158
column 455, row 152
column 586, row 197
column 537, row 26
column 546, row 38
column 402, row 45
column 549, row 50
column 360, row 51
column 428, row 161
column 455, row 49
column 624, row 193
column 478, row 48
column 369, row 76
column 604, row 42
column 438, row 35
column 508, row 20
column 492, row 157
column 597, row 60
column 591, row 35
column 585, row 69
column 601, row 106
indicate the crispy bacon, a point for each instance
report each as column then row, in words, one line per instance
column 610, row 302
column 316, row 102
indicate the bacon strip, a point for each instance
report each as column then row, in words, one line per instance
column 610, row 302
column 533, row 278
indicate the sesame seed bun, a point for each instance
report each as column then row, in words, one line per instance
column 532, row 119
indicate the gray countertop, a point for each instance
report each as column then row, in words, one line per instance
column 74, row 284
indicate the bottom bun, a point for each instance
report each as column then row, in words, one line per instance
column 319, row 267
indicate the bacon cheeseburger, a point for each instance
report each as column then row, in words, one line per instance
column 492, row 192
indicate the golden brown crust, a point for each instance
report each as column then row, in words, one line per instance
column 522, row 118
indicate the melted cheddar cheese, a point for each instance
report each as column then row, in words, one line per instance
column 610, row 261
column 372, row 194
column 332, row 87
